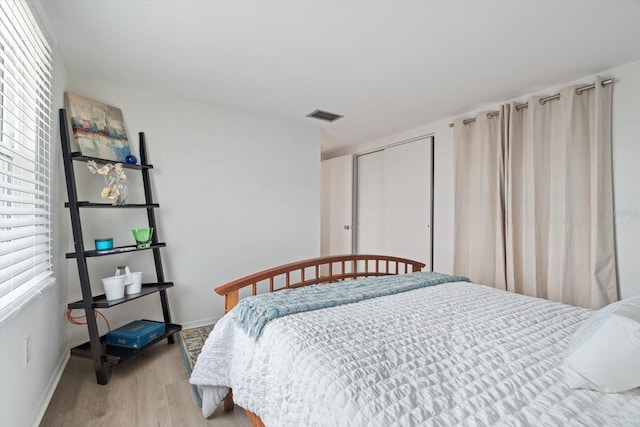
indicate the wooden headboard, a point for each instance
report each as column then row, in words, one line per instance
column 317, row 270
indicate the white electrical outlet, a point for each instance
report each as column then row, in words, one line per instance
column 27, row 350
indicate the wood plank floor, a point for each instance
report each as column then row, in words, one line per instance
column 150, row 389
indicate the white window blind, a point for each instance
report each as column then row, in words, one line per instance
column 25, row 179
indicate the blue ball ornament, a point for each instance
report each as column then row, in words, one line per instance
column 131, row 159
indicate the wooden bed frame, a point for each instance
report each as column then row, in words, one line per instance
column 310, row 272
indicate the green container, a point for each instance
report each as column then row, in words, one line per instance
column 142, row 236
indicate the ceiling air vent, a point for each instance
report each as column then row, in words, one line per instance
column 324, row 115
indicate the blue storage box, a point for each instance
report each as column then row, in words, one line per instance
column 136, row 334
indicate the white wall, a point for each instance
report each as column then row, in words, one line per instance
column 25, row 390
column 626, row 173
column 239, row 192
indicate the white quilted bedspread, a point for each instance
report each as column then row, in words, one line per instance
column 453, row 354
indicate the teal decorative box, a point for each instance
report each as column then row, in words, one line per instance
column 136, row 334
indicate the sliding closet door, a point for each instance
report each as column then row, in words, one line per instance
column 370, row 204
column 407, row 194
column 394, row 201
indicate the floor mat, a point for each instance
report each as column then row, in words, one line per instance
column 191, row 342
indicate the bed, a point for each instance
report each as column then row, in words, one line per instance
column 453, row 353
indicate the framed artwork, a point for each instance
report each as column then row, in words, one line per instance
column 98, row 129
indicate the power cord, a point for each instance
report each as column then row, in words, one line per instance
column 76, row 319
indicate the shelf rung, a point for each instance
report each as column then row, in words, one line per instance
column 100, row 301
column 77, row 156
column 115, row 354
column 116, row 250
column 85, row 204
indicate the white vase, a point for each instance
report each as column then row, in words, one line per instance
column 121, row 198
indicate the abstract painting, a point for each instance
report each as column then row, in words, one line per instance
column 98, row 129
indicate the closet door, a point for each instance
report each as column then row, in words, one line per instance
column 370, row 204
column 394, row 201
column 336, row 206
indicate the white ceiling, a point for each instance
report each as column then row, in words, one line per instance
column 387, row 66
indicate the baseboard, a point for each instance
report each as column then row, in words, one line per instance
column 51, row 387
column 199, row 323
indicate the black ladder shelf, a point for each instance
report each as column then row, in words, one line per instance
column 103, row 355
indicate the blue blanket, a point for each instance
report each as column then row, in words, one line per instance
column 253, row 313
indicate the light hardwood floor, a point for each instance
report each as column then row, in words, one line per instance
column 150, row 389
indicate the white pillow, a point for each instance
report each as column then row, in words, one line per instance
column 604, row 353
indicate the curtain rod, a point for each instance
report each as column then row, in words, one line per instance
column 542, row 101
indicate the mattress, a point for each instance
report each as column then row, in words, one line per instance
column 453, row 354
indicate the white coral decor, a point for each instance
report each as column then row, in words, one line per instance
column 114, row 178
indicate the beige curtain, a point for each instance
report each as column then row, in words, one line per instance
column 479, row 152
column 559, row 238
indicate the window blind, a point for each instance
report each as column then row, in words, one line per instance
column 25, row 156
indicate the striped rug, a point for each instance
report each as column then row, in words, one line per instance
column 191, row 342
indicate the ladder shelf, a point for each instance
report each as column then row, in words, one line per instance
column 96, row 348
